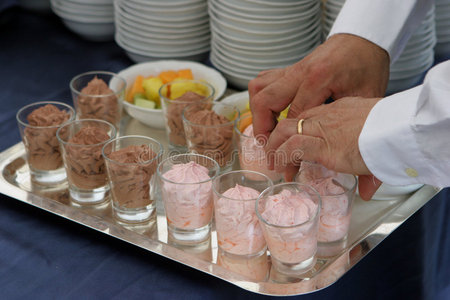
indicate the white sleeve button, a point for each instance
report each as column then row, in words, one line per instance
column 411, row 172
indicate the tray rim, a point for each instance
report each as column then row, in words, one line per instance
column 372, row 238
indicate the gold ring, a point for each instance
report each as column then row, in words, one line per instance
column 300, row 126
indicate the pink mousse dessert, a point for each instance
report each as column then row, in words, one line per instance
column 187, row 194
column 237, row 226
column 292, row 233
column 252, row 155
column 335, row 214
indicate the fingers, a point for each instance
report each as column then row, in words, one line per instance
column 307, row 97
column 367, row 186
column 270, row 101
column 298, row 148
column 282, row 132
column 290, row 172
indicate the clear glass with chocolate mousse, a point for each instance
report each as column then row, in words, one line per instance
column 98, row 95
column 38, row 123
column 131, row 163
column 81, row 144
column 175, row 96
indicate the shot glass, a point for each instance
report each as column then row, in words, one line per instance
column 251, row 153
column 98, row 95
column 131, row 163
column 81, row 143
column 41, row 145
column 337, row 191
column 209, row 130
column 289, row 215
column 186, row 189
column 255, row 268
column 175, row 96
column 237, row 226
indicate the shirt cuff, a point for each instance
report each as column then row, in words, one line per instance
column 387, row 143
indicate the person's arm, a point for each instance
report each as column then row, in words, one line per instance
column 406, row 137
column 386, row 23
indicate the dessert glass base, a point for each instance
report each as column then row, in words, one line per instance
column 89, row 196
column 329, row 249
column 135, row 215
column 294, row 268
column 189, row 236
column 48, row 177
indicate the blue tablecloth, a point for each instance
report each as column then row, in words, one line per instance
column 44, row 256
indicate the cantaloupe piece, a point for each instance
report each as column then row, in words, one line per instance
column 135, row 88
column 185, row 74
column 167, row 76
column 245, row 121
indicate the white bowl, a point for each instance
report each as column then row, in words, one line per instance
column 225, row 8
column 266, row 63
column 171, row 46
column 252, row 35
column 264, row 54
column 175, row 11
column 239, row 100
column 236, row 79
column 154, row 117
column 261, row 25
column 81, row 18
column 129, row 18
column 148, row 35
column 262, row 10
column 139, row 56
column 98, row 32
column 390, row 192
column 165, row 3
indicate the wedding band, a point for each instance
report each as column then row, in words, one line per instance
column 300, row 126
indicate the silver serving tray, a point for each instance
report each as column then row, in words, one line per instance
column 371, row 223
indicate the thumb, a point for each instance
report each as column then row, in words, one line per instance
column 367, row 186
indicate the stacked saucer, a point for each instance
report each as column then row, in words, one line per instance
column 152, row 30
column 417, row 57
column 92, row 19
column 442, row 28
column 249, row 36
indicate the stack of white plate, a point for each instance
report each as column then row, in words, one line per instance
column 331, row 9
column 172, row 29
column 249, row 36
column 92, row 19
column 416, row 58
column 443, row 28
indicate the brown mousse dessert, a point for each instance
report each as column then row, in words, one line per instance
column 85, row 164
column 42, row 144
column 130, row 176
column 92, row 106
column 207, row 137
column 174, row 121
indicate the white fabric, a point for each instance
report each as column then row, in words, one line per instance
column 386, row 23
column 411, row 131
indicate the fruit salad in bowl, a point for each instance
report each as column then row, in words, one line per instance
column 145, row 79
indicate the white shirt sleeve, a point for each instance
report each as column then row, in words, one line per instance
column 406, row 137
column 386, row 23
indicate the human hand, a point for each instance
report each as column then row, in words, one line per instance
column 329, row 137
column 344, row 65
